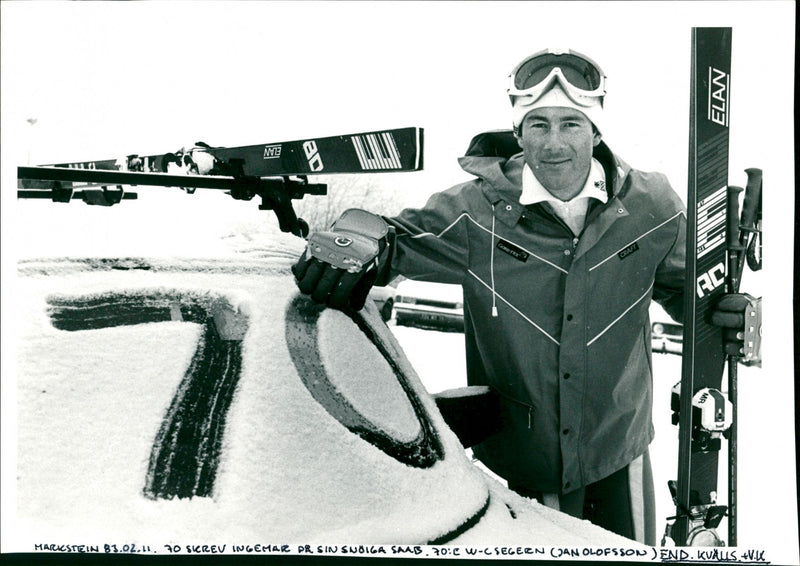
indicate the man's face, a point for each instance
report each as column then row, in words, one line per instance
column 557, row 144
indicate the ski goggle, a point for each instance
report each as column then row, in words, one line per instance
column 578, row 75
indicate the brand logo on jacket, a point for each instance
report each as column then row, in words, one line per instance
column 512, row 250
column 628, row 251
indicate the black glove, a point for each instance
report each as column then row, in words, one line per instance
column 339, row 267
column 740, row 315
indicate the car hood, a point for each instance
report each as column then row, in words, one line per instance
column 206, row 400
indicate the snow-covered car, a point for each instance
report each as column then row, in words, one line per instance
column 667, row 335
column 429, row 305
column 440, row 306
column 175, row 401
column 384, row 297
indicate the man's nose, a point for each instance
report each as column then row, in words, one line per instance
column 554, row 139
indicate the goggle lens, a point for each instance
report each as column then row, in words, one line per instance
column 578, row 71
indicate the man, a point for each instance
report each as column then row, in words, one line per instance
column 559, row 250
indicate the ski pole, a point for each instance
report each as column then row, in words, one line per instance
column 738, row 238
column 734, row 260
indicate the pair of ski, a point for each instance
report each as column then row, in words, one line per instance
column 717, row 245
column 276, row 172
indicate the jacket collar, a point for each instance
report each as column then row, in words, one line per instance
column 594, row 187
column 496, row 158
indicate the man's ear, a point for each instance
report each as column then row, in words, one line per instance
column 518, row 134
column 598, row 137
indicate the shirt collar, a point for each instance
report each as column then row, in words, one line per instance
column 533, row 191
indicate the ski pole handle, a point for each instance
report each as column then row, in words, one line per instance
column 732, row 226
column 732, row 238
column 752, row 199
column 750, row 224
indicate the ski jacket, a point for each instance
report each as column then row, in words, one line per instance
column 569, row 349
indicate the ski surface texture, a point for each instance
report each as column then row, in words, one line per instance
column 703, row 355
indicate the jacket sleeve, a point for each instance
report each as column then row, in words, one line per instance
column 431, row 242
column 668, row 288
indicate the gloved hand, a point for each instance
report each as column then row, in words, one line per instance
column 740, row 315
column 340, row 266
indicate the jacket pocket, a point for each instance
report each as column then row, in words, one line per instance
column 514, row 411
column 523, row 452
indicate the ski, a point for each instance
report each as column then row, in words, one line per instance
column 390, row 150
column 703, row 412
column 276, row 172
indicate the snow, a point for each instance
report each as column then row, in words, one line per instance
column 346, row 351
column 90, row 403
column 108, row 109
column 462, row 392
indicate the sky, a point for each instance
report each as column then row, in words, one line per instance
column 109, row 79
column 103, row 80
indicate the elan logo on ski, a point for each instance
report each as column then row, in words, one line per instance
column 512, row 250
column 272, row 151
column 719, row 85
column 634, row 247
